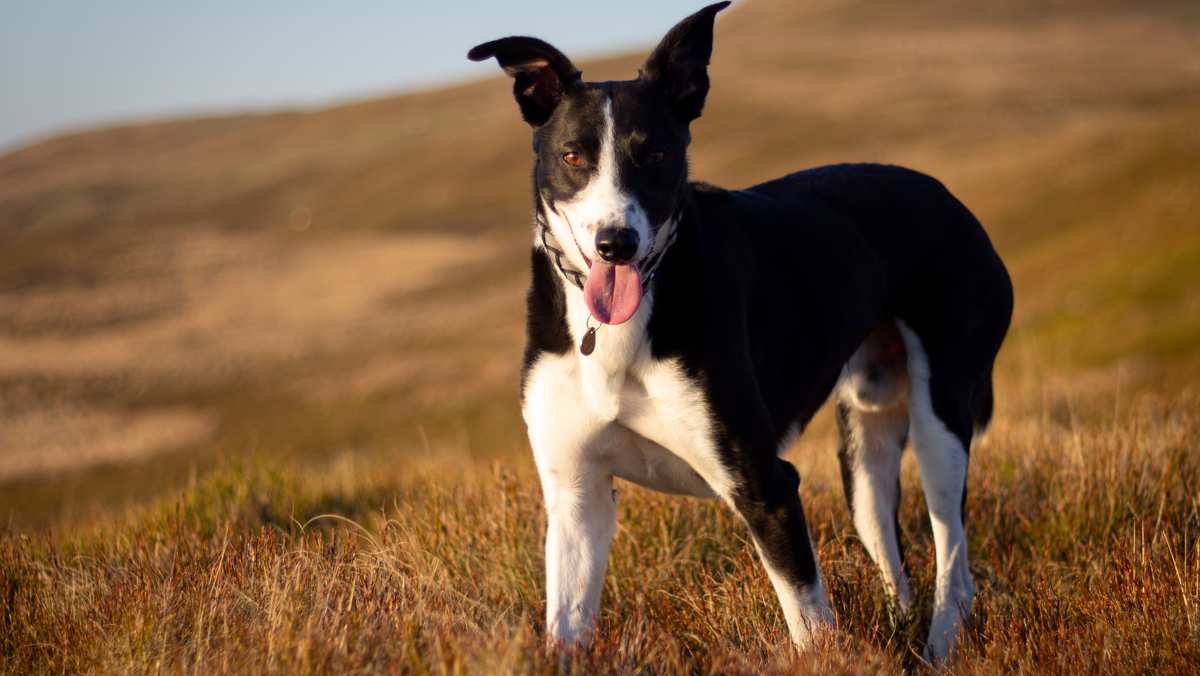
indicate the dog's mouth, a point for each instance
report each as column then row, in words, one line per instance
column 613, row 293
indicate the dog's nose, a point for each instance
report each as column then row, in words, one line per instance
column 617, row 245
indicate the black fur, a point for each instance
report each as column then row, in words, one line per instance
column 769, row 290
column 546, row 314
column 541, row 74
column 679, row 65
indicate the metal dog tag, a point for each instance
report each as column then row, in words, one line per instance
column 589, row 342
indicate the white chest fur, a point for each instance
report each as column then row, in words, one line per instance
column 643, row 419
column 618, row 350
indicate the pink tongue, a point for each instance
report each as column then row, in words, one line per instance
column 612, row 292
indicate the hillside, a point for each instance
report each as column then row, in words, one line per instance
column 349, row 281
column 258, row 373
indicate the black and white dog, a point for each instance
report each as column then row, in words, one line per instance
column 681, row 335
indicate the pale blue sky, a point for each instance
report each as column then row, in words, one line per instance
column 68, row 64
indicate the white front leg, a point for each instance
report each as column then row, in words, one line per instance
column 581, row 519
column 573, row 449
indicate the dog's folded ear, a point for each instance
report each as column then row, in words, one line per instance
column 680, row 62
column 541, row 73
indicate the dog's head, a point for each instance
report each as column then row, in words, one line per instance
column 611, row 157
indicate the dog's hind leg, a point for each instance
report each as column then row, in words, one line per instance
column 869, row 452
column 941, row 414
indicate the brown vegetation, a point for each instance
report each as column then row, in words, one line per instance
column 213, row 331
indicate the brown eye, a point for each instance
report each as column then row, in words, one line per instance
column 573, row 159
column 654, row 157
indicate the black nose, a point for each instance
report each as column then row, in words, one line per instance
column 617, row 245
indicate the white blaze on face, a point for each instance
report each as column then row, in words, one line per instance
column 612, row 291
column 600, row 204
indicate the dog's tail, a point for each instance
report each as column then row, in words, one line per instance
column 983, row 403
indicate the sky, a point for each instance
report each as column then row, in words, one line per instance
column 71, row 64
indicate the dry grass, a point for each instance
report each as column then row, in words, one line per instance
column 1083, row 520
column 214, row 331
column 352, row 278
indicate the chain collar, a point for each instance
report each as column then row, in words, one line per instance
column 647, row 269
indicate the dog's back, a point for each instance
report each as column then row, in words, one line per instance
column 919, row 233
column 812, row 263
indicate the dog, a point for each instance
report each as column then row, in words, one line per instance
column 680, row 335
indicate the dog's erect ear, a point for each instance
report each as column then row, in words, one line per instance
column 541, row 73
column 680, row 62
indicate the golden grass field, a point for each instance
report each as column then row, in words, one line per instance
column 258, row 405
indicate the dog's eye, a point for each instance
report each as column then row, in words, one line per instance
column 574, row 159
column 654, row 157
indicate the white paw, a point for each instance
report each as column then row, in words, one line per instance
column 816, row 628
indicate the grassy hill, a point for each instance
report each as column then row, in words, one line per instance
column 214, row 329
